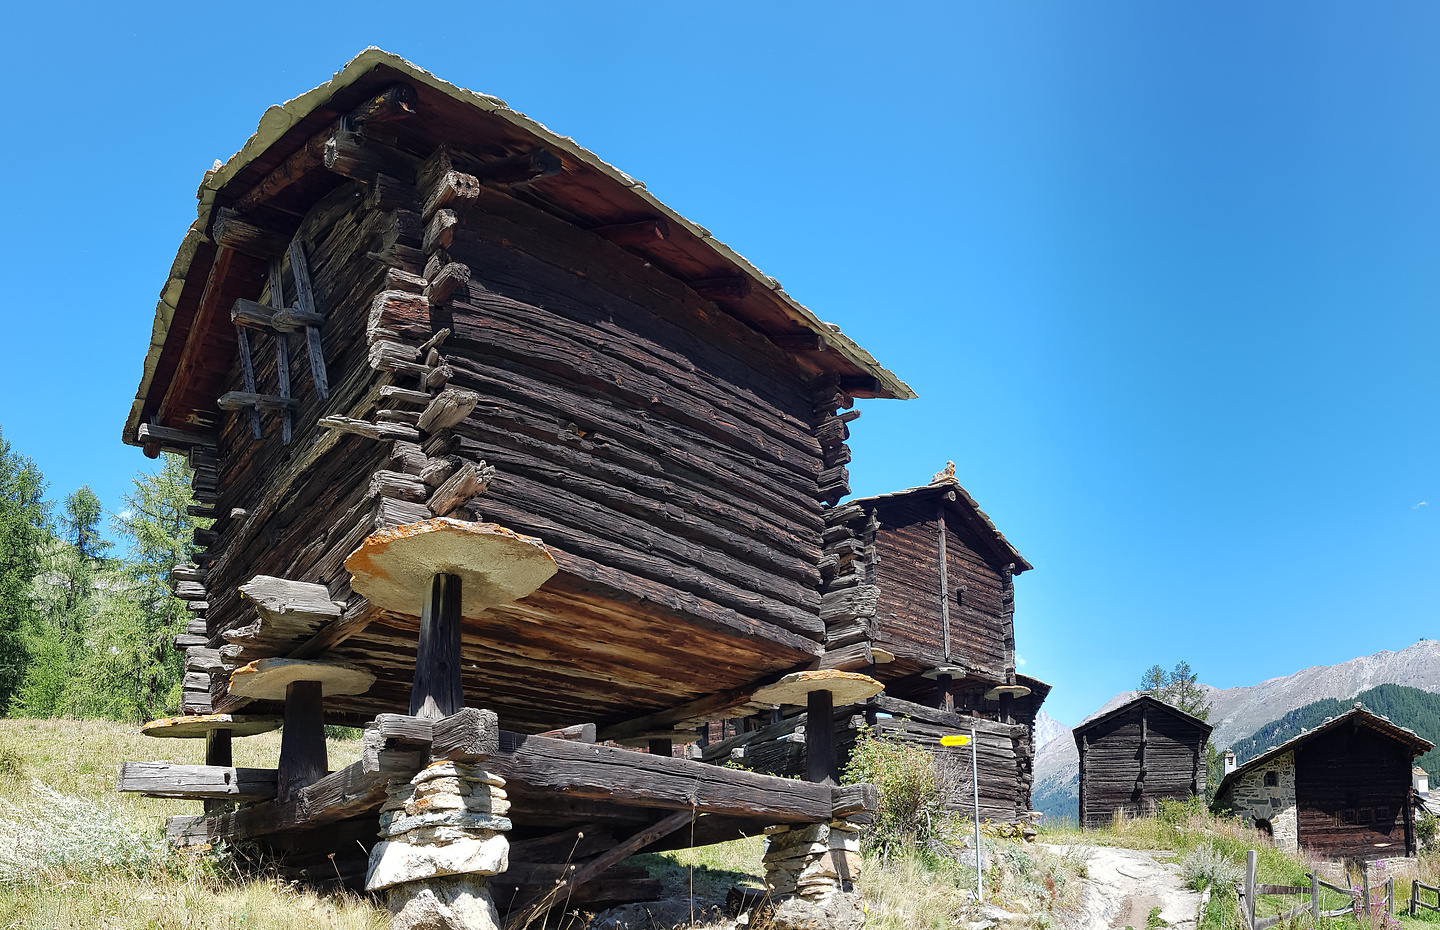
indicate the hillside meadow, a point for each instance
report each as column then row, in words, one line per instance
column 76, row 853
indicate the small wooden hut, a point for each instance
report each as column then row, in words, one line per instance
column 1341, row 790
column 1136, row 755
column 920, row 595
column 402, row 304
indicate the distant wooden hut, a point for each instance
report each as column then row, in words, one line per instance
column 1341, row 790
column 920, row 594
column 1136, row 755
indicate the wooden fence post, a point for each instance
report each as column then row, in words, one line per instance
column 1315, row 897
column 1390, row 895
column 1250, row 889
column 1365, row 891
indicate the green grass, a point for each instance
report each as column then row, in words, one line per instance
column 96, row 858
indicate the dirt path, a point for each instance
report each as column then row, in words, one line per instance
column 1124, row 885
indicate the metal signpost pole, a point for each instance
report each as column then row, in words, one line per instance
column 975, row 780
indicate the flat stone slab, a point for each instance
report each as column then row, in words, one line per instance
column 393, row 862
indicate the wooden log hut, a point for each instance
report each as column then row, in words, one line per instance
column 1136, row 755
column 919, row 593
column 406, row 311
column 1340, row 791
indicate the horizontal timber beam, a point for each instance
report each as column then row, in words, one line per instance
column 214, row 782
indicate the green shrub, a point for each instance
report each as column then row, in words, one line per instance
column 911, row 799
column 1425, row 828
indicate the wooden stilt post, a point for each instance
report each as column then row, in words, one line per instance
column 218, row 752
column 945, row 687
column 302, row 744
column 820, row 763
column 437, row 690
column 217, row 748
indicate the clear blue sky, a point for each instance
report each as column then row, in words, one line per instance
column 1164, row 275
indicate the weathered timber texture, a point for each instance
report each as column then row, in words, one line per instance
column 172, row 780
column 1005, row 758
column 1137, row 755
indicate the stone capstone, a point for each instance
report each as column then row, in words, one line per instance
column 393, row 862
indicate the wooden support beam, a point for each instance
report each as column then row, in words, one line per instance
column 172, row 440
column 240, row 400
column 255, row 315
column 351, row 155
column 448, row 408
column 302, row 743
column 350, row 792
column 468, row 735
column 196, row 782
column 581, row 770
column 519, row 169
column 305, row 300
column 371, row 430
column 248, row 372
column 395, row 102
column 466, row 483
column 437, row 690
column 821, row 766
column 798, row 342
column 580, row 733
column 711, row 705
column 635, row 235
column 218, row 748
column 233, row 230
column 721, row 288
column 524, row 915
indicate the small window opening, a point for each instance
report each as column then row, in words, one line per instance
column 1272, row 779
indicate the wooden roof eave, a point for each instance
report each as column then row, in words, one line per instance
column 1417, row 743
column 1205, row 728
column 965, row 507
column 280, row 120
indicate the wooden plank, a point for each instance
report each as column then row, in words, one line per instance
column 172, row 780
column 305, row 299
column 583, row 770
column 248, row 371
column 468, row 735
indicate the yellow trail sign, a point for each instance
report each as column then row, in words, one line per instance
column 954, row 741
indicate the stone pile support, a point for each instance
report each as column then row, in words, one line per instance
column 811, row 876
column 442, row 838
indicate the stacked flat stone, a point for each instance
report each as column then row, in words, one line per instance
column 442, row 836
column 810, row 876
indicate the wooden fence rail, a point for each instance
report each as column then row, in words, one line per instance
column 1416, row 903
column 1249, row 893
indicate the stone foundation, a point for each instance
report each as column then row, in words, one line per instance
column 442, row 836
column 811, row 872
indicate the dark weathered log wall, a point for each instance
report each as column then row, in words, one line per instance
column 630, row 424
column 677, row 462
column 1121, row 771
column 1004, row 757
column 1352, row 791
column 907, row 574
